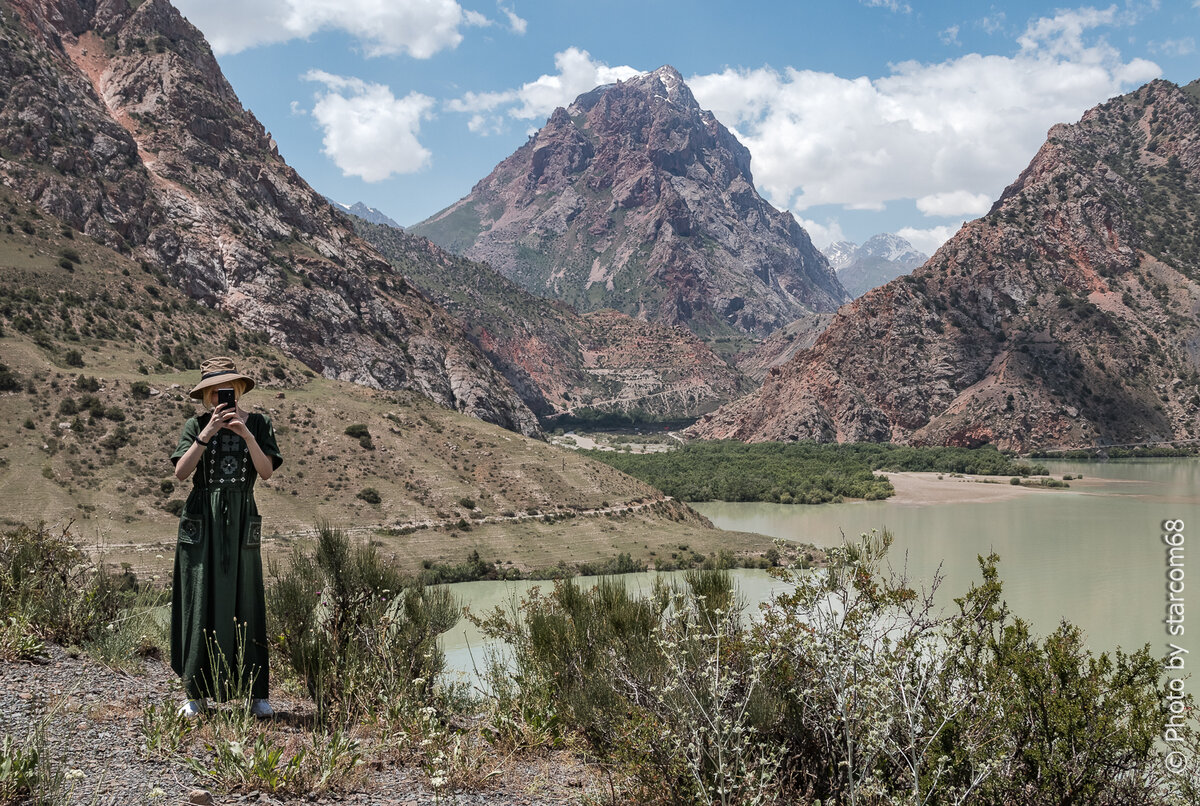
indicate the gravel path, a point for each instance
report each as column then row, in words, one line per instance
column 92, row 720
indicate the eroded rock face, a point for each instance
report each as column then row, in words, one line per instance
column 635, row 199
column 1066, row 316
column 118, row 121
column 559, row 361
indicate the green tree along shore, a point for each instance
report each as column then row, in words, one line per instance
column 800, row 472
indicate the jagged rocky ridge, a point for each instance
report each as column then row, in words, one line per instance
column 634, row 198
column 369, row 214
column 1066, row 316
column 559, row 361
column 115, row 118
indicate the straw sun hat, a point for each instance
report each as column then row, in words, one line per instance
column 216, row 372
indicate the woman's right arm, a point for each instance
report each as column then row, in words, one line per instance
column 195, row 452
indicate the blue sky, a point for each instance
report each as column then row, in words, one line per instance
column 861, row 117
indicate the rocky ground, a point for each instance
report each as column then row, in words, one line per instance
column 92, row 717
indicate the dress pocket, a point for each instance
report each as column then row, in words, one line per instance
column 191, row 530
column 254, row 532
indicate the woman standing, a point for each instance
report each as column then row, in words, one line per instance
column 218, row 604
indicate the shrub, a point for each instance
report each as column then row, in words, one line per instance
column 357, row 631
column 362, row 434
column 116, row 439
column 140, row 389
column 47, row 583
column 853, row 688
column 466, row 503
column 370, row 495
column 73, row 358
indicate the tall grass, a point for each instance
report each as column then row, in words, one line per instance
column 50, row 591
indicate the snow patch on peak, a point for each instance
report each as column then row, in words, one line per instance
column 671, row 81
column 840, row 254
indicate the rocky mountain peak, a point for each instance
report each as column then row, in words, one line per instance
column 636, row 199
column 370, row 214
column 667, row 84
column 888, row 246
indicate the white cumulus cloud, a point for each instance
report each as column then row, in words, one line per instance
column 928, row 240
column 515, row 23
column 419, row 28
column 823, row 234
column 954, row 203
column 948, row 134
column 369, row 132
column 577, row 73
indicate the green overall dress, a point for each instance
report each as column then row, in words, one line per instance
column 218, row 604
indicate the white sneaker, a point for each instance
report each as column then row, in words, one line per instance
column 192, row 708
column 261, row 709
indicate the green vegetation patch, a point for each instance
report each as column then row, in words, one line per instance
column 800, row 472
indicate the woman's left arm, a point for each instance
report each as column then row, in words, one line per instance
column 262, row 463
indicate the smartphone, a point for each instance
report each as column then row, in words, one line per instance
column 225, row 398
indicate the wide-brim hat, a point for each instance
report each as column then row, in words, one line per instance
column 218, row 371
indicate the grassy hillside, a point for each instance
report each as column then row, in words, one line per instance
column 98, row 356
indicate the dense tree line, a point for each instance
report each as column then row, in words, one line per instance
column 800, row 472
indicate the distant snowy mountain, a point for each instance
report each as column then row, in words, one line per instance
column 366, row 213
column 840, row 254
column 892, row 248
column 882, row 258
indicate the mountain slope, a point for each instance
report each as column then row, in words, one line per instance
column 559, row 361
column 880, row 259
column 1067, row 315
column 93, row 395
column 634, row 198
column 116, row 119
